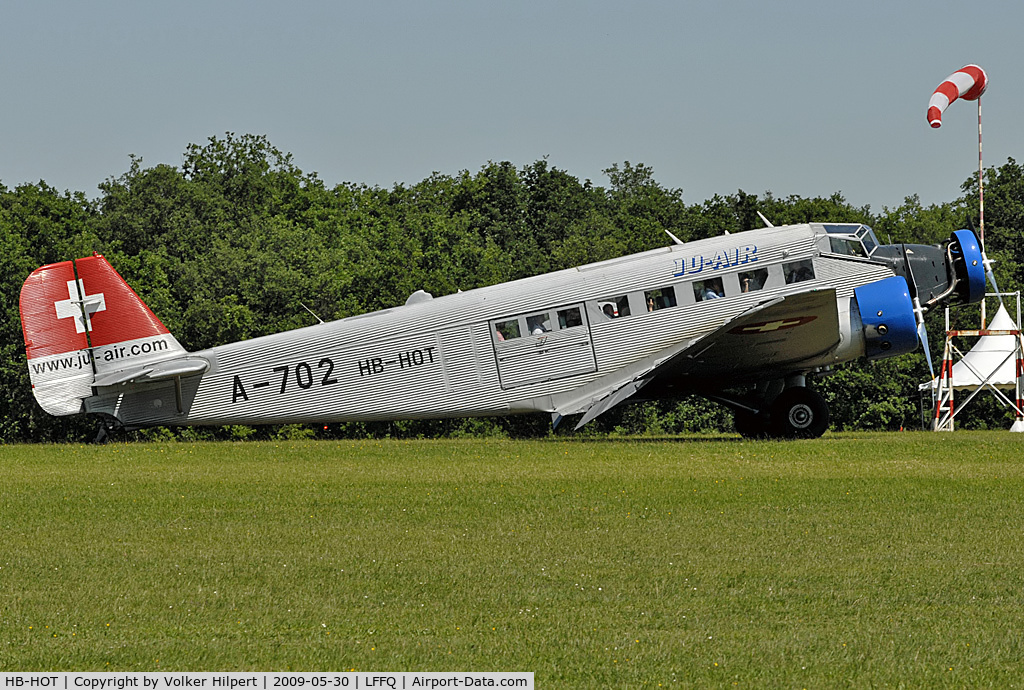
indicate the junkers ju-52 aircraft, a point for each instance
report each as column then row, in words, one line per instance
column 742, row 319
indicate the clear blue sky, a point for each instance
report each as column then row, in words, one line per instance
column 804, row 97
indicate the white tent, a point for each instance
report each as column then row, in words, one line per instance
column 991, row 358
column 993, row 362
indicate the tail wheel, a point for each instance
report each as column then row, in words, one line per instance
column 799, row 413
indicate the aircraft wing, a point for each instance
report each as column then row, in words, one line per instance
column 772, row 336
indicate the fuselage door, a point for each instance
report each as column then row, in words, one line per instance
column 543, row 346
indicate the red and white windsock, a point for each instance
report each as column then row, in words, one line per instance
column 967, row 83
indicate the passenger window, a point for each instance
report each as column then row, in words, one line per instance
column 662, row 298
column 507, row 330
column 798, row 271
column 616, row 307
column 538, row 324
column 708, row 289
column 751, row 281
column 568, row 318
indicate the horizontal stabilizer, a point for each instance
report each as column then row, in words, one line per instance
column 161, row 371
column 113, row 378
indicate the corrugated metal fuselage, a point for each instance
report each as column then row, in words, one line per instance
column 515, row 347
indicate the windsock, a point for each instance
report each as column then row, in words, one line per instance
column 967, row 83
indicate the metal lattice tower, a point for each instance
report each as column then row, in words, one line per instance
column 943, row 393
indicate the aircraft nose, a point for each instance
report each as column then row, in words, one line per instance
column 969, row 266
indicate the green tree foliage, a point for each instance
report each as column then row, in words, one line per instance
column 1004, row 219
column 880, row 396
column 644, row 210
column 38, row 225
column 239, row 242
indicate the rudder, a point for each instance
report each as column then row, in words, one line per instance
column 83, row 323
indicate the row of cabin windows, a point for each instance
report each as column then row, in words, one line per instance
column 538, row 323
column 713, row 288
column 654, row 300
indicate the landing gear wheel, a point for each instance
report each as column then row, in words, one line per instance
column 751, row 425
column 108, row 426
column 799, row 413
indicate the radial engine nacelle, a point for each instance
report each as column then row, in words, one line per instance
column 968, row 265
column 884, row 323
column 888, row 324
column 953, row 272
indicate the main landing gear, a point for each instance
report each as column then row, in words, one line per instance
column 796, row 412
column 108, row 427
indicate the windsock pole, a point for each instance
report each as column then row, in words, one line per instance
column 981, row 204
column 981, row 183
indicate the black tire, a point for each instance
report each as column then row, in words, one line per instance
column 799, row 412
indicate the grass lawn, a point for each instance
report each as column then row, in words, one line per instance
column 852, row 560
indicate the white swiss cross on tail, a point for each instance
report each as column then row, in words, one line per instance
column 80, row 309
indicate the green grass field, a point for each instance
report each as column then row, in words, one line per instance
column 853, row 560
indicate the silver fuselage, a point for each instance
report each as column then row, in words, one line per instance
column 443, row 357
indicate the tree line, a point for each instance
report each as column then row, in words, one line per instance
column 239, row 242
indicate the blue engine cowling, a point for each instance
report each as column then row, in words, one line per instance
column 968, row 265
column 887, row 316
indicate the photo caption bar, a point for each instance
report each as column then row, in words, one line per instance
column 357, row 680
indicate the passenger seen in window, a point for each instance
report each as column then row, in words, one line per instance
column 751, row 281
column 708, row 289
column 538, row 324
column 570, row 318
column 507, row 330
column 662, row 298
column 798, row 271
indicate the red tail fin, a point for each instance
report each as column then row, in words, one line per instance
column 80, row 319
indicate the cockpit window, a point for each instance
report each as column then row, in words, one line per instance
column 847, row 246
column 842, row 228
column 867, row 236
column 863, row 233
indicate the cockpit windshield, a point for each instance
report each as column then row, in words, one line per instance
column 851, row 239
column 867, row 236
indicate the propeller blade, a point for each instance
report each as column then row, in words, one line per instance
column 922, row 335
column 922, row 332
column 991, row 276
